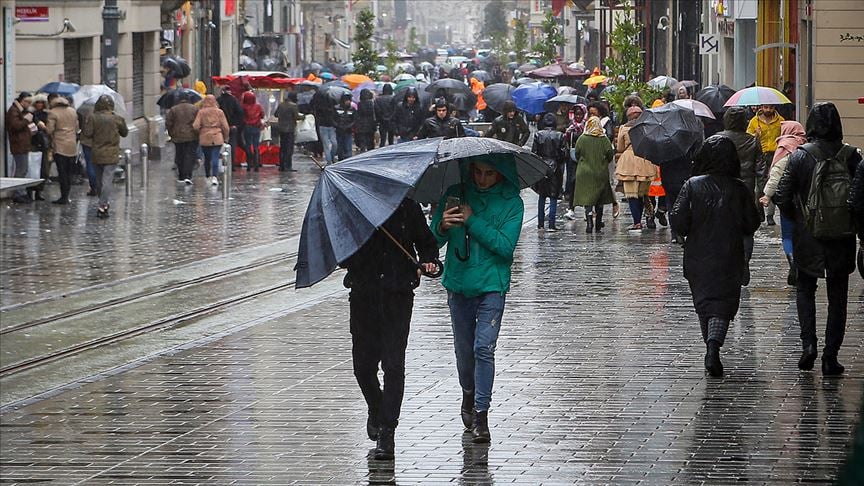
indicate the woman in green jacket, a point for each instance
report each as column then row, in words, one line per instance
column 594, row 152
column 481, row 230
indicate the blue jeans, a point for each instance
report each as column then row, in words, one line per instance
column 476, row 322
column 211, row 160
column 541, row 210
column 251, row 142
column 344, row 143
column 91, row 169
column 787, row 229
column 328, row 140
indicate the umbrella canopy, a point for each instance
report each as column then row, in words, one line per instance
column 481, row 75
column 666, row 133
column 530, row 98
column 594, row 80
column 556, row 71
column 699, row 108
column 406, row 67
column 426, row 65
column 355, row 80
column 314, row 66
column 496, row 94
column 552, row 104
column 662, row 82
column 449, row 85
column 355, row 93
column 406, row 82
column 577, row 65
column 684, row 84
column 527, row 67
column 524, row 80
column 335, row 92
column 512, row 65
column 59, row 87
column 463, row 102
column 562, row 90
column 84, row 100
column 757, row 95
column 715, row 97
column 171, row 98
column 404, row 77
column 338, row 83
column 354, row 197
column 179, row 67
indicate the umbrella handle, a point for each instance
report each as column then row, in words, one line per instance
column 437, row 273
column 467, row 249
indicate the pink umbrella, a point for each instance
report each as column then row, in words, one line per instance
column 757, row 95
column 699, row 108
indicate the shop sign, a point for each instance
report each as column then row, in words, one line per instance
column 32, row 14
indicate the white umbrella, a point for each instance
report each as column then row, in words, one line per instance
column 699, row 108
column 89, row 93
column 661, row 82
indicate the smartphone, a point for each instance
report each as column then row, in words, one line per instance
column 453, row 202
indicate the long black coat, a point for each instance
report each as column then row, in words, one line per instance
column 380, row 265
column 813, row 257
column 715, row 213
column 549, row 145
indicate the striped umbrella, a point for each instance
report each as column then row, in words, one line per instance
column 757, row 95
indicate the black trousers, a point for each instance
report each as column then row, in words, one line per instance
column 64, row 173
column 366, row 141
column 286, row 150
column 838, row 295
column 380, row 322
column 386, row 133
column 185, row 157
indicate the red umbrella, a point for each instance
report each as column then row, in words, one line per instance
column 556, row 71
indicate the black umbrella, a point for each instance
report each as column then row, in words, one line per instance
column 314, row 66
column 666, row 133
column 552, row 104
column 355, row 197
column 715, row 97
column 449, row 85
column 527, row 68
column 171, row 98
column 480, row 75
column 524, row 80
column 463, row 102
column 335, row 92
column 496, row 94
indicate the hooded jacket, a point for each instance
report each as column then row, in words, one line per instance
column 288, row 115
column 104, row 128
column 345, row 116
column 211, row 124
column 62, row 126
column 231, row 107
column 513, row 130
column 715, row 211
column 408, row 118
column 365, row 119
column 817, row 258
column 179, row 121
column 448, row 127
column 492, row 231
column 748, row 147
column 252, row 111
column 19, row 129
column 385, row 108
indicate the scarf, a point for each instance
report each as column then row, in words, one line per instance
column 791, row 137
column 593, row 127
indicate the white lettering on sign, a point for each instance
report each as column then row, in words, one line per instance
column 709, row 44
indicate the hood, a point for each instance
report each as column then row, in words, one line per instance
column 60, row 101
column 717, row 156
column 411, row 91
column 200, row 87
column 249, row 98
column 824, row 123
column 104, row 103
column 735, row 119
column 387, row 89
column 548, row 122
column 209, row 102
column 791, row 135
column 507, row 107
column 366, row 94
column 503, row 163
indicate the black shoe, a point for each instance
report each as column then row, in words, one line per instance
column 661, row 218
column 248, row 167
column 281, row 169
column 590, row 227
column 830, row 366
column 712, row 359
column 385, row 448
column 22, row 200
column 598, row 225
column 60, row 201
column 467, row 409
column 480, row 432
column 769, row 220
column 792, row 277
column 92, row 192
column 37, row 196
column 102, row 213
column 372, row 426
column 650, row 224
column 808, row 357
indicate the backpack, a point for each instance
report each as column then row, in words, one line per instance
column 827, row 215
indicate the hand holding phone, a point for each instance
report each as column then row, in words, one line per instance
column 452, row 215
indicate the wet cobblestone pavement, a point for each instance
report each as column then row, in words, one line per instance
column 599, row 370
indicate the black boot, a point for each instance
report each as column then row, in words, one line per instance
column 830, row 366
column 598, row 223
column 792, row 278
column 372, row 425
column 717, row 329
column 703, row 324
column 808, row 357
column 590, row 227
column 467, row 410
column 480, row 433
column 385, row 448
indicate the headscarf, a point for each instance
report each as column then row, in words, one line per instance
column 209, row 102
column 791, row 137
column 593, row 127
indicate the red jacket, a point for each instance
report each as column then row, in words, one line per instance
column 252, row 111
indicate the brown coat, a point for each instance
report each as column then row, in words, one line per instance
column 63, row 127
column 105, row 128
column 179, row 121
column 631, row 167
column 19, row 130
column 211, row 124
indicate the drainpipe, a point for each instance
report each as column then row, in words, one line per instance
column 110, row 27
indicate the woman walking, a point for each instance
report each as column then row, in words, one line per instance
column 592, row 189
column 213, row 130
column 62, row 127
column 253, row 116
column 105, row 128
column 714, row 212
column 635, row 172
column 365, row 124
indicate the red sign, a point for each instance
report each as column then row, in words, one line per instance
column 230, row 7
column 32, row 14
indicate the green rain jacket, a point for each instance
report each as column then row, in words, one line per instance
column 493, row 231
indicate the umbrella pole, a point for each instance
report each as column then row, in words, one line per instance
column 319, row 164
column 396, row 242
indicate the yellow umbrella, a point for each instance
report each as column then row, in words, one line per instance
column 355, row 80
column 594, row 80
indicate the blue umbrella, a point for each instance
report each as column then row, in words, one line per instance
column 353, row 198
column 60, row 88
column 531, row 97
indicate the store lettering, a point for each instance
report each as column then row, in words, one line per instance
column 851, row 37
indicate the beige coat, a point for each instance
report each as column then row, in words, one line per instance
column 631, row 167
column 211, row 124
column 63, row 127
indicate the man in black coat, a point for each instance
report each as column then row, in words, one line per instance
column 234, row 114
column 509, row 127
column 442, row 124
column 409, row 115
column 382, row 281
column 385, row 108
column 833, row 260
column 715, row 211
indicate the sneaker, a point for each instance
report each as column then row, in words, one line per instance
column 570, row 214
column 661, row 218
column 181, row 181
column 188, row 182
column 552, row 229
column 769, row 220
column 635, row 227
column 214, row 181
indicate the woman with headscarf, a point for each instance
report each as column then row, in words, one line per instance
column 594, row 152
column 715, row 211
column 213, row 129
column 791, row 137
column 635, row 172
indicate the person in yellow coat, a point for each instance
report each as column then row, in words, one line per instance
column 766, row 127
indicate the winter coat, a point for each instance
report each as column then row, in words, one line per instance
column 62, row 126
column 770, row 131
column 231, row 107
column 19, row 129
column 385, row 108
column 211, row 123
column 288, row 115
column 513, row 130
column 105, row 128
column 84, row 139
column 253, row 114
column 748, row 146
column 322, row 108
column 592, row 171
column 408, row 118
column 365, row 118
column 433, row 127
column 777, row 170
column 549, row 145
column 631, row 167
column 856, row 198
column 816, row 258
column 492, row 232
column 715, row 211
column 179, row 121
column 344, row 118
column 379, row 265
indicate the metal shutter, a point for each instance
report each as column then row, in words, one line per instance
column 137, row 74
column 72, row 60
